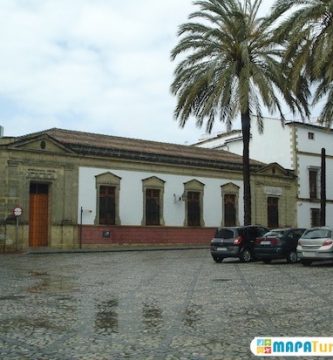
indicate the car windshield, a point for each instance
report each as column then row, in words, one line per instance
column 225, row 233
column 275, row 233
column 317, row 234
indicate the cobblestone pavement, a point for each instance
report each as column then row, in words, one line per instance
column 155, row 305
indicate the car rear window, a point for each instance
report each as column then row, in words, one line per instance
column 275, row 233
column 225, row 233
column 317, row 234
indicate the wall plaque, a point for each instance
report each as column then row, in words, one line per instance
column 43, row 174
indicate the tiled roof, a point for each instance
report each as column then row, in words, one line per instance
column 105, row 145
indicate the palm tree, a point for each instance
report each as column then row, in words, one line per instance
column 230, row 66
column 308, row 33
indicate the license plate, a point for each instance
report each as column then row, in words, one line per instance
column 265, row 243
column 221, row 249
column 309, row 254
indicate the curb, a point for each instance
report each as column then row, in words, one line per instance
column 110, row 250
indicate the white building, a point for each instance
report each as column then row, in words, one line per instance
column 296, row 146
column 92, row 190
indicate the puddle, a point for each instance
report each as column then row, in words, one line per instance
column 221, row 280
column 12, row 297
column 106, row 321
column 25, row 323
column 152, row 316
column 38, row 273
column 192, row 315
column 49, row 284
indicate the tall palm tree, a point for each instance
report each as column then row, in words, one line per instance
column 308, row 32
column 230, row 66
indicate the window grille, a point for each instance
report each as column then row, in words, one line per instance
column 313, row 184
column 315, row 217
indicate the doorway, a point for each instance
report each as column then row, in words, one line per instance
column 273, row 212
column 38, row 214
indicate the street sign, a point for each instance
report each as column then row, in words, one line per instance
column 17, row 211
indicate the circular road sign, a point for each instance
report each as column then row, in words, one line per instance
column 17, row 211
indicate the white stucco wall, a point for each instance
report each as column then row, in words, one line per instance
column 322, row 138
column 274, row 145
column 131, row 197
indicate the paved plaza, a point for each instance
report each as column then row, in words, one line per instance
column 155, row 305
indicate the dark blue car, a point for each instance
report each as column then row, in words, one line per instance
column 278, row 244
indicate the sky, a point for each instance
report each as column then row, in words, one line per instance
column 100, row 66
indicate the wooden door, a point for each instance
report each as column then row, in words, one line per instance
column 38, row 216
column 273, row 212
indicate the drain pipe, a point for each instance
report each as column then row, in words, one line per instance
column 323, row 188
column 81, row 215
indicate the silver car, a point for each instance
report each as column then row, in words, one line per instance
column 315, row 244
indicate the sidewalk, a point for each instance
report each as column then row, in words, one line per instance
column 114, row 248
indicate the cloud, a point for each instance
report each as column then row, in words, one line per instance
column 101, row 66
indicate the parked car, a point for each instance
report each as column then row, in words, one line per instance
column 278, row 244
column 235, row 242
column 315, row 244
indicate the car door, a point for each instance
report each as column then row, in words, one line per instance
column 289, row 241
column 296, row 236
column 251, row 235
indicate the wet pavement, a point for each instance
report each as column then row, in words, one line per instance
column 155, row 305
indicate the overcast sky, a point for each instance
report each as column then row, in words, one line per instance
column 92, row 65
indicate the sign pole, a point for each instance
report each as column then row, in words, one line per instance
column 16, row 232
column 17, row 213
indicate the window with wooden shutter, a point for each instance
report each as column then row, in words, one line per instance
column 313, row 184
column 193, row 208
column 229, row 209
column 107, row 205
column 152, row 207
column 315, row 217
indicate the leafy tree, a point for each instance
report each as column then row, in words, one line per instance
column 230, row 65
column 307, row 31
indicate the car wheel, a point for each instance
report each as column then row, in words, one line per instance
column 292, row 257
column 306, row 262
column 217, row 259
column 267, row 261
column 245, row 256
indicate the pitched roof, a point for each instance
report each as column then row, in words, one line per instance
column 85, row 143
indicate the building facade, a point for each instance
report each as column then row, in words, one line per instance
column 79, row 189
column 295, row 146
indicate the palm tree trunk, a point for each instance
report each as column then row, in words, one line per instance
column 246, row 125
